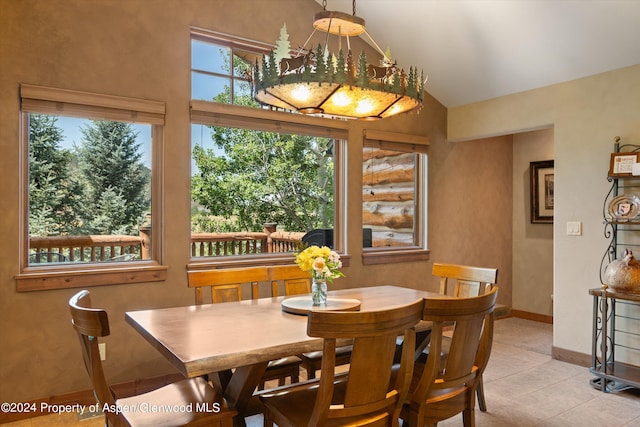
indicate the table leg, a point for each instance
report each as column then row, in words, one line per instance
column 243, row 382
column 220, row 380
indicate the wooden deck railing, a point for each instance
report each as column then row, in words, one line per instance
column 93, row 248
column 89, row 248
column 220, row 244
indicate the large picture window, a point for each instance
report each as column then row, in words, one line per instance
column 260, row 191
column 90, row 183
column 262, row 182
column 89, row 190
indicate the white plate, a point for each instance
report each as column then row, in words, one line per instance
column 303, row 305
column 625, row 207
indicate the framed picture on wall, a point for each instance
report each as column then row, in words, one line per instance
column 541, row 174
column 622, row 164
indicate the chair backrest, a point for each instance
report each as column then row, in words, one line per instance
column 471, row 340
column 467, row 281
column 374, row 336
column 295, row 280
column 226, row 284
column 90, row 324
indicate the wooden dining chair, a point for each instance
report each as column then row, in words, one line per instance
column 297, row 282
column 225, row 286
column 465, row 281
column 440, row 392
column 362, row 396
column 91, row 324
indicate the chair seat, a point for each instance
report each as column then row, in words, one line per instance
column 180, row 398
column 418, row 369
column 280, row 369
column 312, row 360
column 285, row 361
column 340, row 351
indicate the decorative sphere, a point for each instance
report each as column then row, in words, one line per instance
column 623, row 275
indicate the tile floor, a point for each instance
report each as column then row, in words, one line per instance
column 523, row 387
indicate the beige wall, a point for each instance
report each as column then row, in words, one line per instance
column 470, row 199
column 586, row 115
column 140, row 48
column 532, row 243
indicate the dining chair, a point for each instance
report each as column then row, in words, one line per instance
column 465, row 281
column 91, row 324
column 297, row 282
column 225, row 286
column 439, row 392
column 362, row 396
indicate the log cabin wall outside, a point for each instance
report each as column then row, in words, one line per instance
column 388, row 197
column 141, row 49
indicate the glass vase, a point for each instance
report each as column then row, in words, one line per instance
column 319, row 291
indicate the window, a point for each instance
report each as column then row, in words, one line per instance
column 393, row 196
column 258, row 191
column 263, row 182
column 220, row 71
column 90, row 187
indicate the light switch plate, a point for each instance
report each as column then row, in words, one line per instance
column 574, row 228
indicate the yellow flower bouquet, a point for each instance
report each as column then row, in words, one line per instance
column 321, row 262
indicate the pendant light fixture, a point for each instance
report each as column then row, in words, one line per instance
column 320, row 82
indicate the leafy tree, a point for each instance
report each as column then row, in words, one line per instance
column 54, row 192
column 250, row 178
column 117, row 182
column 265, row 177
column 110, row 217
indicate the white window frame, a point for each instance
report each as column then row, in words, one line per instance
column 65, row 102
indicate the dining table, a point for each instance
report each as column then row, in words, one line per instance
column 244, row 336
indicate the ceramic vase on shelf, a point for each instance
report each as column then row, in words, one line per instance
column 319, row 291
column 623, row 275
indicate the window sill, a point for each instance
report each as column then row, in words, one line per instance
column 387, row 256
column 39, row 279
column 239, row 261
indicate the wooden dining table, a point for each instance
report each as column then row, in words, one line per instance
column 246, row 335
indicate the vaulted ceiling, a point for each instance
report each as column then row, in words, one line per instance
column 473, row 50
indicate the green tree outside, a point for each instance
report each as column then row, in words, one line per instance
column 55, row 193
column 100, row 187
column 264, row 177
column 116, row 181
